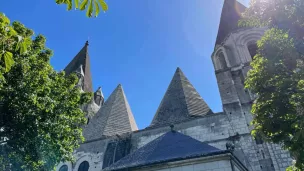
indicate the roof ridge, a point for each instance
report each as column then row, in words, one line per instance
column 112, row 118
column 192, row 99
column 181, row 74
column 111, row 107
column 120, row 118
column 165, row 148
column 130, row 114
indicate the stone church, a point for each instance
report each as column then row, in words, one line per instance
column 184, row 135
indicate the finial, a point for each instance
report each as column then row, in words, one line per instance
column 172, row 128
column 98, row 97
column 230, row 146
column 87, row 43
column 99, row 91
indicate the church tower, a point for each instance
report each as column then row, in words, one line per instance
column 234, row 50
column 80, row 65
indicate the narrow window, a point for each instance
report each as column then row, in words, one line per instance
column 252, row 48
column 63, row 168
column 263, row 154
column 84, row 166
column 222, row 60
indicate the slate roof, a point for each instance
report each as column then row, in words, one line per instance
column 114, row 117
column 231, row 13
column 82, row 58
column 171, row 146
column 180, row 102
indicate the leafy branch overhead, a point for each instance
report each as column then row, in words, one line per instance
column 93, row 7
column 40, row 118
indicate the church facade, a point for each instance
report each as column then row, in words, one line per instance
column 185, row 134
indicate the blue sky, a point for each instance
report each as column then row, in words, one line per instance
column 138, row 43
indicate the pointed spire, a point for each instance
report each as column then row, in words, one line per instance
column 98, row 97
column 82, row 58
column 231, row 13
column 114, row 117
column 181, row 102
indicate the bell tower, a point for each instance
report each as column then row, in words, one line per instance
column 234, row 49
column 233, row 52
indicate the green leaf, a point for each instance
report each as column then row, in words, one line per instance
column 104, row 5
column 70, row 5
column 76, row 2
column 97, row 9
column 90, row 9
column 20, row 38
column 22, row 48
column 8, row 60
column 60, row 1
column 83, row 4
column 23, row 45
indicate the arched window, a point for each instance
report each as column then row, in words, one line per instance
column 222, row 60
column 252, row 48
column 63, row 168
column 84, row 166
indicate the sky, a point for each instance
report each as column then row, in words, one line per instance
column 136, row 43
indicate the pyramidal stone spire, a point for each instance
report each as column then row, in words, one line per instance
column 82, row 58
column 181, row 102
column 114, row 117
column 231, row 13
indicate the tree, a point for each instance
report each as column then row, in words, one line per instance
column 93, row 6
column 277, row 75
column 40, row 115
column 6, row 57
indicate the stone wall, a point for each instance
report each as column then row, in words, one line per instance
column 217, row 130
column 214, row 129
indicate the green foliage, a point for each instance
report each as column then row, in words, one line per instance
column 273, row 13
column 293, row 168
column 92, row 6
column 277, row 75
column 287, row 15
column 7, row 35
column 40, row 118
